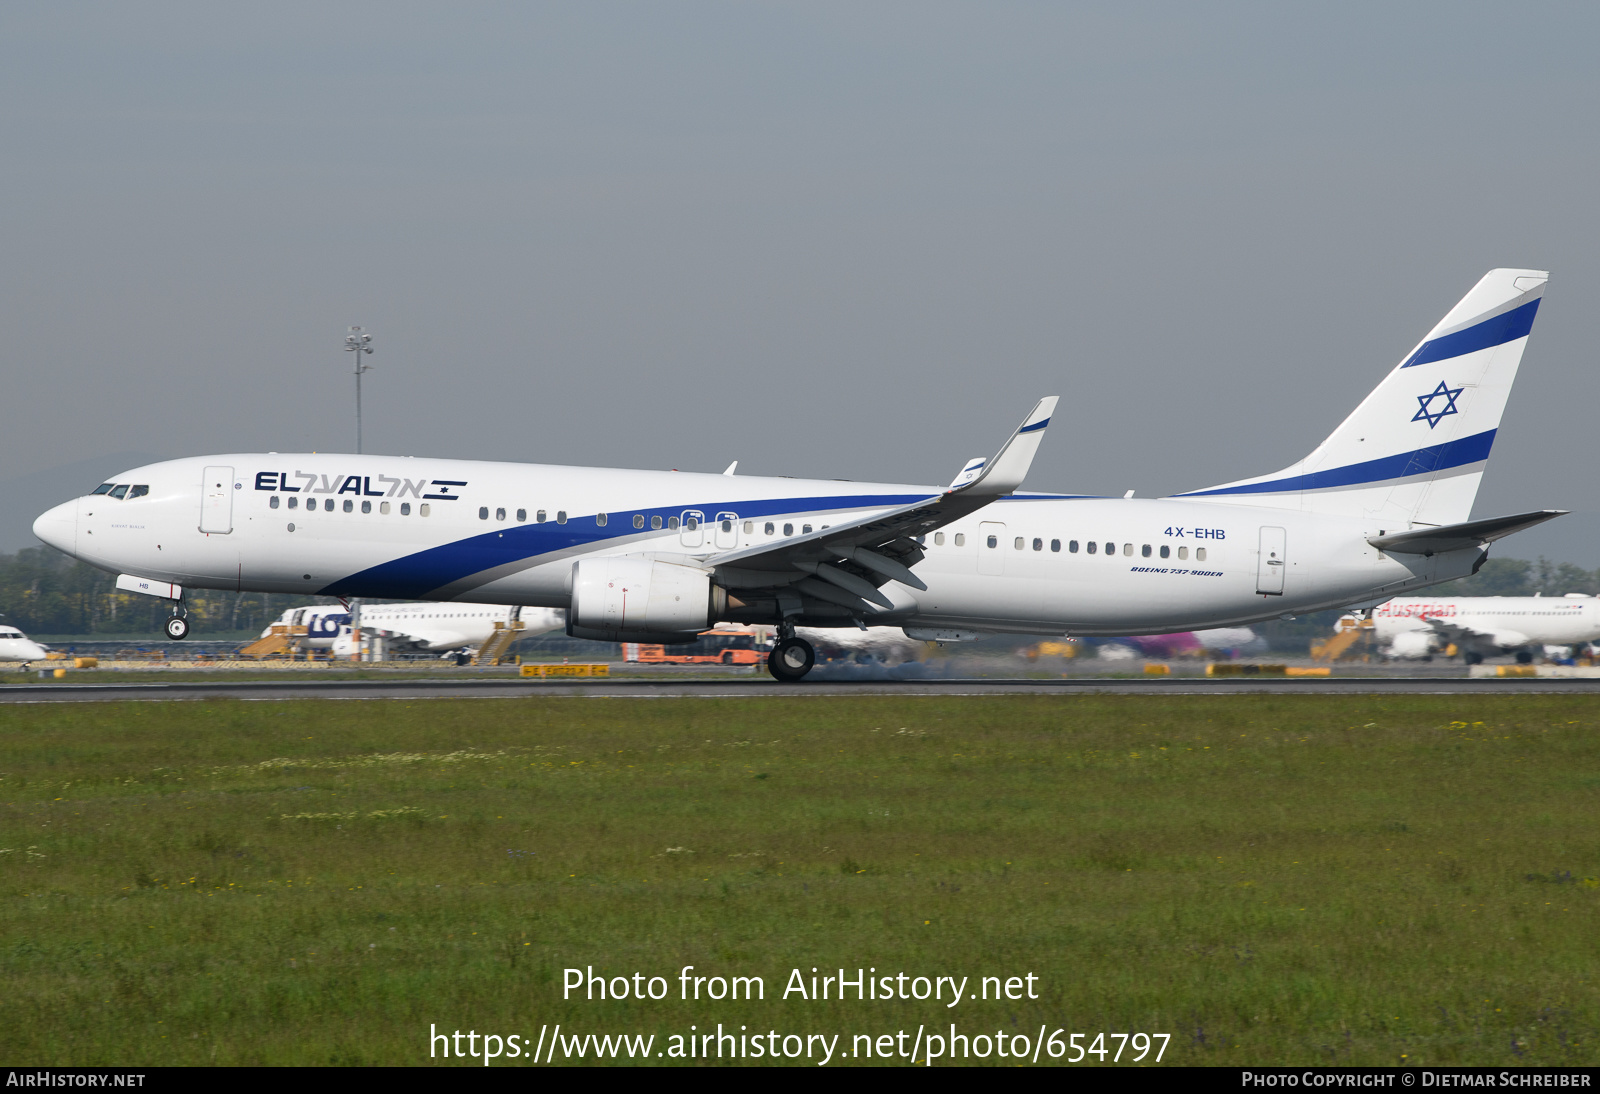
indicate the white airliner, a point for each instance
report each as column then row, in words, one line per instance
column 16, row 646
column 1378, row 508
column 433, row 626
column 1483, row 626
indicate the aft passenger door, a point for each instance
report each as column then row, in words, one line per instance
column 1271, row 564
column 216, row 500
column 991, row 548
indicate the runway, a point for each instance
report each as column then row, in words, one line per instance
column 757, row 688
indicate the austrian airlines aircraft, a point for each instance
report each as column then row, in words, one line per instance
column 1377, row 509
column 1483, row 626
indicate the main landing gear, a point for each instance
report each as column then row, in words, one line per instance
column 791, row 658
column 177, row 626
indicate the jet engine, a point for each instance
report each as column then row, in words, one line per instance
column 637, row 600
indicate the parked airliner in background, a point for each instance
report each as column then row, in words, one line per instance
column 435, row 627
column 1378, row 508
column 1484, row 626
column 16, row 646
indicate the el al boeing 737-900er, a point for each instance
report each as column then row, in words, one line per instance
column 1379, row 508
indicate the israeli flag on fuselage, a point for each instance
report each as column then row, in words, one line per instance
column 1413, row 452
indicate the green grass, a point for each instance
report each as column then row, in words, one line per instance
column 1270, row 879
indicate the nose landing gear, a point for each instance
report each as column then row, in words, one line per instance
column 177, row 625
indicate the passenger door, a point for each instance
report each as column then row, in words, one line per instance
column 1272, row 563
column 216, row 500
column 991, row 548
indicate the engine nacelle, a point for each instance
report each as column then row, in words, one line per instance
column 637, row 600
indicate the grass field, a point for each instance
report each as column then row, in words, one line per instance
column 1269, row 879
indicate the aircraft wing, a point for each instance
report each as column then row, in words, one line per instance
column 845, row 563
column 1482, row 641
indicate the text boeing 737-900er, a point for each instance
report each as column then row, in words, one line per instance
column 1379, row 508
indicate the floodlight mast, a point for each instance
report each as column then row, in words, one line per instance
column 358, row 342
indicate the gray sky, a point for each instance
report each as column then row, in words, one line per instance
column 842, row 240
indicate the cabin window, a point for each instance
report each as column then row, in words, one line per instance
column 294, row 502
column 1038, row 545
column 1018, row 542
column 691, row 523
column 1072, row 546
column 522, row 516
column 383, row 508
column 600, row 520
column 272, row 502
column 727, row 526
column 672, row 523
column 749, row 527
column 1183, row 552
column 1200, row 554
column 327, row 505
column 938, row 539
column 1166, row 552
column 768, row 528
column 349, row 506
column 499, row 514
column 103, row 488
column 788, row 529
column 1127, row 548
column 993, row 542
column 366, row 507
column 1145, row 551
column 561, row 516
column 1093, row 546
column 961, row 539
column 638, row 520
column 1111, row 548
column 1055, row 545
column 138, row 492
column 483, row 512
column 424, row 509
column 405, row 508
column 805, row 529
column 120, row 492
column 655, row 522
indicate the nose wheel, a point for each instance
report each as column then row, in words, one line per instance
column 790, row 660
column 177, row 626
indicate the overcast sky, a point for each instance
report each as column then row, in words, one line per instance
column 844, row 240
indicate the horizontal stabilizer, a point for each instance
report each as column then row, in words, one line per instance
column 1460, row 537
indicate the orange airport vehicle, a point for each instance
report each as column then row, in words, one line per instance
column 718, row 646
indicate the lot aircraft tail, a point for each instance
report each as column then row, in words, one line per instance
column 1413, row 452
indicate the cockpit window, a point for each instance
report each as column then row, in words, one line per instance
column 120, row 492
column 138, row 491
column 104, row 488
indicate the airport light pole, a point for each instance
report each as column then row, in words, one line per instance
column 358, row 342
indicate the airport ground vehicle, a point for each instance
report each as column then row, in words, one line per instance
column 718, row 646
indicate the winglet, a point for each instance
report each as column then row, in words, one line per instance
column 970, row 471
column 1009, row 467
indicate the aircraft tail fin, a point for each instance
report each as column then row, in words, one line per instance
column 1414, row 451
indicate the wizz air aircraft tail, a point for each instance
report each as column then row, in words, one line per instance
column 1414, row 451
column 1379, row 508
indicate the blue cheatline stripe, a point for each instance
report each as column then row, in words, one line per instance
column 1421, row 462
column 1508, row 327
column 416, row 575
column 1034, row 426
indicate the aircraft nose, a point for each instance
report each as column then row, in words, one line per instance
column 59, row 527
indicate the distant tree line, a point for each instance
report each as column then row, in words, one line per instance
column 43, row 591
